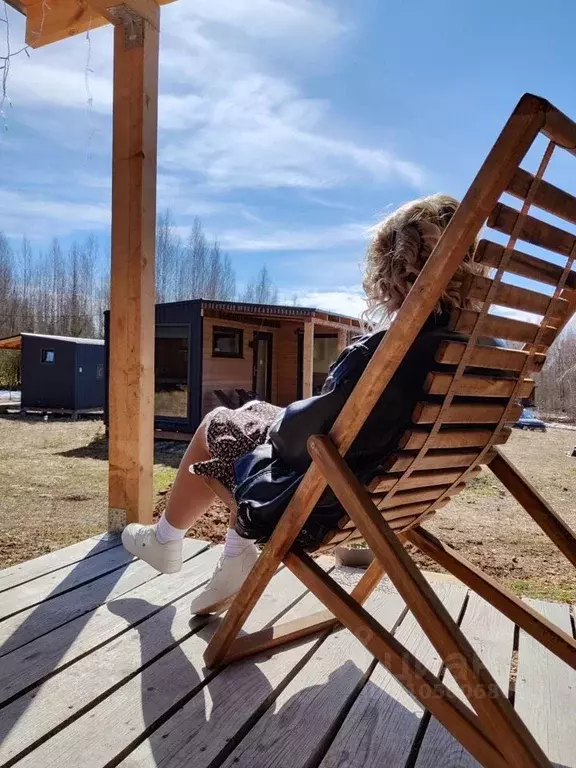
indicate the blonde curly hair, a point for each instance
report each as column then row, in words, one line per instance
column 401, row 245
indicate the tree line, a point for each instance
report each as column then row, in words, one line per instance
column 556, row 384
column 65, row 291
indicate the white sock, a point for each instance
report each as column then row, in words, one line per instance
column 166, row 532
column 234, row 544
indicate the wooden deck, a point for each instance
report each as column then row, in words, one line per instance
column 102, row 666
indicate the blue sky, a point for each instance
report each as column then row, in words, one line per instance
column 288, row 127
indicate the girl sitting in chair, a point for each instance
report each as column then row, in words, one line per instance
column 257, row 454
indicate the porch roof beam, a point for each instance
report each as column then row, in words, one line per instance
column 50, row 22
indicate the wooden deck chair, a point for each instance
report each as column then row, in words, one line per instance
column 246, row 396
column 462, row 419
column 225, row 399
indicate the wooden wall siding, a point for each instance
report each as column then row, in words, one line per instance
column 229, row 373
column 287, row 363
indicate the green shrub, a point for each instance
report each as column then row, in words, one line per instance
column 9, row 369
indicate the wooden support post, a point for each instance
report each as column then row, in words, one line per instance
column 308, row 359
column 131, row 383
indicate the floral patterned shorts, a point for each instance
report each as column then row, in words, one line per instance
column 231, row 433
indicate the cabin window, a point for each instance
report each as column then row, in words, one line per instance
column 227, row 342
column 48, row 356
column 325, row 352
column 171, row 371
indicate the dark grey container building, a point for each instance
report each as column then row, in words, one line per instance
column 60, row 373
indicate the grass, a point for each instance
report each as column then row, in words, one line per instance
column 55, row 483
column 163, row 478
column 483, row 485
column 55, row 489
column 562, row 592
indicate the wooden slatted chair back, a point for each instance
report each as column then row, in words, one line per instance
column 473, row 396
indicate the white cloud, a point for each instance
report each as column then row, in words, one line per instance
column 273, row 19
column 38, row 217
column 60, row 85
column 227, row 115
column 311, row 239
column 515, row 314
column 344, row 301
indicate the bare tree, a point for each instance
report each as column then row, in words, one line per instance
column 66, row 291
column 214, row 272
column 102, row 294
column 26, row 308
column 228, row 281
column 6, row 287
column 195, row 256
column 168, row 253
column 556, row 384
column 261, row 290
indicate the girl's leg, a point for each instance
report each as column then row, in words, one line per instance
column 161, row 545
column 190, row 496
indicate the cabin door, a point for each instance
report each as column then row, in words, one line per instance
column 262, row 367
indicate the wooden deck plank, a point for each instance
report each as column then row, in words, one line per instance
column 26, row 666
column 492, row 636
column 380, row 729
column 63, row 580
column 32, row 716
column 36, row 621
column 113, row 725
column 54, row 561
column 199, row 732
column 139, row 695
column 294, row 730
column 546, row 690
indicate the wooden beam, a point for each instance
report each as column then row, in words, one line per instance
column 532, row 622
column 49, row 22
column 502, row 724
column 131, row 403
column 327, row 323
column 308, row 359
column 536, row 506
column 424, row 686
column 17, row 5
column 118, row 13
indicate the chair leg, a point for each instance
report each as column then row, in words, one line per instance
column 284, row 535
column 425, row 686
column 532, row 622
column 288, row 631
column 280, row 634
column 265, row 567
column 499, row 718
column 537, row 507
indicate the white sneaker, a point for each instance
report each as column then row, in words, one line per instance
column 230, row 574
column 140, row 540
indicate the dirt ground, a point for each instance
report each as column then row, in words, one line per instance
column 54, row 485
column 54, row 478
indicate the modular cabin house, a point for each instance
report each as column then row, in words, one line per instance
column 59, row 373
column 211, row 352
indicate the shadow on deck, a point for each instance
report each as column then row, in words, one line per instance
column 102, row 666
